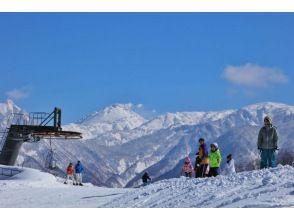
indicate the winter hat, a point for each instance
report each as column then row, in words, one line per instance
column 269, row 119
column 214, row 144
column 201, row 139
column 229, row 156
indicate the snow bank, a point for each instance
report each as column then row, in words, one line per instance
column 33, row 188
column 262, row 188
column 32, row 175
column 27, row 176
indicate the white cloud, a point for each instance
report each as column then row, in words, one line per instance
column 140, row 106
column 253, row 75
column 17, row 94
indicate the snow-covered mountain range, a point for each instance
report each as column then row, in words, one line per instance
column 119, row 144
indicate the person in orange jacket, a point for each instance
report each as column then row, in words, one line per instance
column 202, row 160
column 70, row 174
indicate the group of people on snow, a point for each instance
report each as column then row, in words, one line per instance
column 207, row 164
column 74, row 173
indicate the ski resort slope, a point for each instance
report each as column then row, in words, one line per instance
column 268, row 188
column 261, row 188
column 35, row 189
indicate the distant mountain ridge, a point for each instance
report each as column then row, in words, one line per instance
column 119, row 144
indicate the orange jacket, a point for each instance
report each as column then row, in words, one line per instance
column 70, row 170
column 203, row 155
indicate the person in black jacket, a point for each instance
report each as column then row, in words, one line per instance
column 146, row 179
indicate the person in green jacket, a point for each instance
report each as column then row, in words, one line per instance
column 267, row 143
column 215, row 159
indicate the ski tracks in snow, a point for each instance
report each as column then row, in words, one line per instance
column 262, row 188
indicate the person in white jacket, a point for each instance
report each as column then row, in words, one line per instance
column 229, row 166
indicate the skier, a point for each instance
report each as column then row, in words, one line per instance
column 187, row 168
column 202, row 161
column 70, row 174
column 267, row 143
column 215, row 159
column 146, row 179
column 79, row 169
column 229, row 166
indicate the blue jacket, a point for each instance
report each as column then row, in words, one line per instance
column 79, row 168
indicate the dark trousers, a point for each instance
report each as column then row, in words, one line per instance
column 201, row 171
column 188, row 174
column 213, row 171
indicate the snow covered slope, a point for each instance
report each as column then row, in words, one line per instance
column 36, row 189
column 119, row 144
column 6, row 110
column 115, row 118
column 268, row 188
column 260, row 188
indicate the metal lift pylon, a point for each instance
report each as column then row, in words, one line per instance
column 32, row 129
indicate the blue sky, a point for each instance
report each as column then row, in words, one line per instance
column 169, row 62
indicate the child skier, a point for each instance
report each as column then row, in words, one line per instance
column 70, row 174
column 187, row 167
column 229, row 166
column 215, row 159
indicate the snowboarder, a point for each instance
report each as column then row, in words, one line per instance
column 146, row 179
column 229, row 166
column 215, row 159
column 187, row 168
column 202, row 161
column 267, row 143
column 79, row 169
column 70, row 174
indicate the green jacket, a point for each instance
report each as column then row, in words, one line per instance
column 215, row 158
column 267, row 138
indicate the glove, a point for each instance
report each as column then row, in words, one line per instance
column 260, row 150
column 276, row 148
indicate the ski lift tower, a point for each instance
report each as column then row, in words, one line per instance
column 31, row 128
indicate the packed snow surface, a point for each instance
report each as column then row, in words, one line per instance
column 34, row 189
column 260, row 188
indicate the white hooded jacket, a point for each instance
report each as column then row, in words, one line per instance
column 229, row 168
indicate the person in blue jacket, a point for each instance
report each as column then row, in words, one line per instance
column 78, row 173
